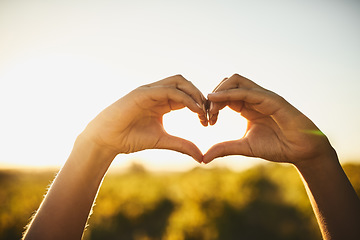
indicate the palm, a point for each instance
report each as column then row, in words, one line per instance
column 146, row 132
column 265, row 139
column 134, row 122
column 138, row 126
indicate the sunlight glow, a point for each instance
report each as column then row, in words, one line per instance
column 314, row 132
column 185, row 124
column 62, row 62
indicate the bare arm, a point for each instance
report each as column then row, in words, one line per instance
column 279, row 132
column 333, row 198
column 65, row 209
column 131, row 124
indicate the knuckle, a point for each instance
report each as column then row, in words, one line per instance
column 280, row 99
column 178, row 77
column 274, row 95
column 145, row 86
column 178, row 80
column 236, row 75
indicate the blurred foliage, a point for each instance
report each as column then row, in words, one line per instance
column 264, row 202
column 20, row 195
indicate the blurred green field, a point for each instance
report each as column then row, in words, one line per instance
column 264, row 202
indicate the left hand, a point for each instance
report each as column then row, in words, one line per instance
column 135, row 122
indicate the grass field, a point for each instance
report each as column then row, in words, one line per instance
column 264, row 202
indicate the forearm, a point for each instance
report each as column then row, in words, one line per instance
column 64, row 212
column 335, row 203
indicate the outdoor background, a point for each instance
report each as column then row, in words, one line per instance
column 62, row 62
column 263, row 202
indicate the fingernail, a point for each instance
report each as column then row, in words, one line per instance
column 199, row 105
column 210, row 109
column 204, row 108
column 204, row 122
column 211, row 106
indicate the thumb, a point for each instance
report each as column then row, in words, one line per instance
column 180, row 145
column 235, row 147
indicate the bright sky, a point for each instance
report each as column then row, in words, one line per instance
column 62, row 62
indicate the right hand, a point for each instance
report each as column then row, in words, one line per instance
column 276, row 130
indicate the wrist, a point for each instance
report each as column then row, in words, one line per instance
column 91, row 157
column 326, row 157
column 320, row 169
column 333, row 199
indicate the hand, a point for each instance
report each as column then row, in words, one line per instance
column 134, row 122
column 276, row 130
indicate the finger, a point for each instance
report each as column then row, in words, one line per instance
column 212, row 112
column 234, row 82
column 264, row 102
column 214, row 108
column 217, row 87
column 188, row 87
column 213, row 118
column 203, row 120
column 235, row 147
column 180, row 145
column 179, row 82
column 174, row 97
column 181, row 97
column 240, row 94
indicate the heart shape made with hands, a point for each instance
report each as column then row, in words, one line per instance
column 230, row 126
column 275, row 130
column 217, row 141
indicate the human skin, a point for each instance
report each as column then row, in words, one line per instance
column 131, row 124
column 278, row 132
